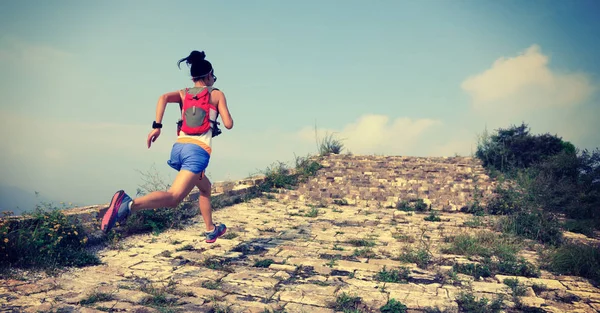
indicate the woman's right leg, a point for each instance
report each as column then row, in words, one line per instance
column 183, row 184
column 204, row 187
column 121, row 205
column 212, row 231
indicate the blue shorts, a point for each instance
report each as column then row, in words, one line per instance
column 188, row 156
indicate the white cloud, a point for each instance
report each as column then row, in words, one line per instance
column 524, row 88
column 13, row 49
column 375, row 134
column 525, row 82
column 76, row 161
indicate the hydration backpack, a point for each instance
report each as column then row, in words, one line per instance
column 195, row 114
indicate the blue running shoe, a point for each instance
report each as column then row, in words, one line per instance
column 118, row 210
column 216, row 233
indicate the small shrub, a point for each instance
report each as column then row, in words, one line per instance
column 518, row 289
column 393, row 276
column 485, row 244
column 413, row 205
column 474, row 222
column 364, row 253
column 515, row 148
column 473, row 269
column 305, row 168
column 403, row 238
column 278, row 175
column 361, row 242
column 46, row 240
column 586, row 226
column 340, row 202
column 346, row 303
column 507, row 200
column 575, row 259
column 432, row 217
column 420, row 205
column 330, row 145
column 210, row 284
column 534, row 224
column 519, row 267
column 264, row 263
column 314, row 212
column 499, row 253
column 422, row 257
column 393, row 306
column 158, row 297
column 468, row 303
column 96, row 297
column 187, row 247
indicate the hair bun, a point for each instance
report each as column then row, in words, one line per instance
column 194, row 57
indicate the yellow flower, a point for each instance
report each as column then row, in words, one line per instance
column 75, row 232
column 5, row 240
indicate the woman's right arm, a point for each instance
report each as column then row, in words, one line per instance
column 223, row 109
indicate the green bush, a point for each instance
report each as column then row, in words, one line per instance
column 575, row 259
column 468, row 303
column 585, row 227
column 346, row 303
column 393, row 306
column 278, row 175
column 330, row 145
column 401, row 275
column 46, row 239
column 534, row 224
column 506, row 201
column 515, row 148
column 488, row 245
column 548, row 174
column 412, row 205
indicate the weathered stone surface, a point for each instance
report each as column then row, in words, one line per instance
column 303, row 308
column 314, row 261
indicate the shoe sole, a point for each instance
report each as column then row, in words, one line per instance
column 113, row 209
column 218, row 235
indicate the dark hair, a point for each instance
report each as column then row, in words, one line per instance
column 199, row 66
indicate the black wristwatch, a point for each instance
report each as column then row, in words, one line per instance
column 156, row 125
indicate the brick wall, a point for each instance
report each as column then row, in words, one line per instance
column 447, row 183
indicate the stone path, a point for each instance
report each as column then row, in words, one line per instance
column 280, row 257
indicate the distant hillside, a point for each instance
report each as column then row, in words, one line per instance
column 18, row 200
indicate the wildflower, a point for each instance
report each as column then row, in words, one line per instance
column 75, row 232
column 5, row 240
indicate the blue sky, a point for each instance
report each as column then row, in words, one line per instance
column 80, row 81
